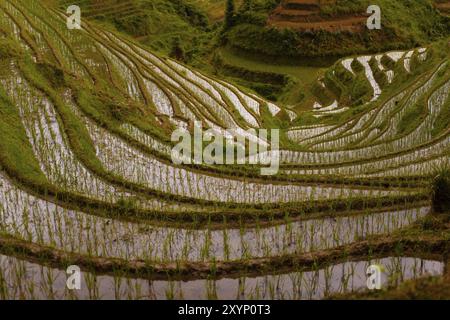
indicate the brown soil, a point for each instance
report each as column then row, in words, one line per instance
column 442, row 5
column 304, row 15
column 352, row 24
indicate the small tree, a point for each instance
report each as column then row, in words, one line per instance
column 229, row 15
column 177, row 51
column 441, row 191
column 247, row 5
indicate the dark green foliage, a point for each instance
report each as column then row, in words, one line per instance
column 136, row 25
column 344, row 7
column 441, row 191
column 177, row 51
column 229, row 15
column 53, row 74
column 269, row 41
column 247, row 5
column 333, row 84
column 406, row 24
column 127, row 205
column 388, row 62
column 266, row 90
column 380, row 76
column 357, row 67
column 251, row 17
column 361, row 90
column 343, row 74
column 250, row 75
column 190, row 13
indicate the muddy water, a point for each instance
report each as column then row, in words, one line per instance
column 22, row 279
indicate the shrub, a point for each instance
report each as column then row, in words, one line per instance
column 441, row 191
column 52, row 73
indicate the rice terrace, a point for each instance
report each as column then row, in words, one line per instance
column 98, row 97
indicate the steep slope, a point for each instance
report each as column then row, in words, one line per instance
column 307, row 28
column 86, row 175
column 164, row 25
column 306, row 15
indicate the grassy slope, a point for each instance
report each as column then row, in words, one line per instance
column 215, row 9
column 405, row 24
column 161, row 24
column 189, row 30
column 302, row 76
column 16, row 153
column 169, row 21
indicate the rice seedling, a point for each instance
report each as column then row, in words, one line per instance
column 86, row 119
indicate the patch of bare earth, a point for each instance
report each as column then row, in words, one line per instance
column 305, row 15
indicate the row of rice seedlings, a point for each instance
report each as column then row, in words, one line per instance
column 50, row 144
column 393, row 120
column 209, row 90
column 375, row 127
column 214, row 106
column 146, row 139
column 27, row 217
column 65, row 53
column 123, row 160
column 82, row 46
column 56, row 159
column 39, row 38
column 10, row 27
column 374, row 118
column 426, row 168
column 160, row 99
column 133, row 89
column 299, row 134
column 234, row 99
column 416, row 156
column 421, row 135
column 423, row 132
column 251, row 102
column 21, row 279
column 186, row 105
column 346, row 128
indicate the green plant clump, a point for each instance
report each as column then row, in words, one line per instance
column 441, row 191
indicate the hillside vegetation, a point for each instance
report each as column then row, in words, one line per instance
column 87, row 175
column 405, row 24
column 167, row 26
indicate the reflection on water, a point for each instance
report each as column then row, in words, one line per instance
column 74, row 231
column 20, row 279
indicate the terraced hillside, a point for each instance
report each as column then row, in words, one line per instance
column 305, row 15
column 87, row 176
column 107, row 8
column 443, row 6
column 308, row 28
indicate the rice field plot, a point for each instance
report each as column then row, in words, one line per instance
column 41, row 282
column 86, row 175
